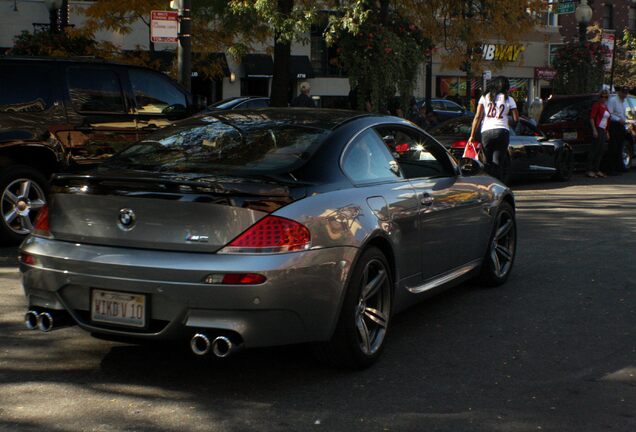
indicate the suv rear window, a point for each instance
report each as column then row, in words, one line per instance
column 25, row 88
column 566, row 110
column 212, row 146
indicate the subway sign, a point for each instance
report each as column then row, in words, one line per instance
column 501, row 52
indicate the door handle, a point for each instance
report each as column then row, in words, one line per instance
column 426, row 200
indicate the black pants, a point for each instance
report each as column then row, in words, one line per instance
column 613, row 161
column 495, row 143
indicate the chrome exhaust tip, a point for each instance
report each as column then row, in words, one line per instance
column 45, row 322
column 200, row 344
column 222, row 347
column 31, row 320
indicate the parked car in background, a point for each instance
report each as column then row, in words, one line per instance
column 269, row 227
column 60, row 112
column 530, row 153
column 240, row 102
column 445, row 109
column 567, row 118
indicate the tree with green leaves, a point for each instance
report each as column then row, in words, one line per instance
column 625, row 60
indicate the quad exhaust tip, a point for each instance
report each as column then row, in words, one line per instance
column 31, row 320
column 45, row 322
column 222, row 347
column 200, row 344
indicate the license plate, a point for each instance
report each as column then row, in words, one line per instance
column 569, row 135
column 118, row 308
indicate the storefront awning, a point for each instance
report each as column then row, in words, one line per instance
column 258, row 66
column 300, row 67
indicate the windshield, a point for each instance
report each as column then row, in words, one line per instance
column 566, row 110
column 212, row 146
column 459, row 126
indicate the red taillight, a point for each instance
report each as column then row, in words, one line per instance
column 41, row 226
column 243, row 279
column 459, row 144
column 26, row 258
column 272, row 234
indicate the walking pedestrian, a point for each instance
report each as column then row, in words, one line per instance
column 599, row 119
column 614, row 156
column 492, row 113
column 303, row 99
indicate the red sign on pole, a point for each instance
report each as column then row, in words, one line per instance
column 164, row 26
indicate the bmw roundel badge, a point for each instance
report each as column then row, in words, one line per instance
column 126, row 219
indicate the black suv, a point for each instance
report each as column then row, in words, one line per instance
column 56, row 113
column 567, row 118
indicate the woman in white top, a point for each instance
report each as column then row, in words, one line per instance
column 493, row 109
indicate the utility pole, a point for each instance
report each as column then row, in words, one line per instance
column 184, row 61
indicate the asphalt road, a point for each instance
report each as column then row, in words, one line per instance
column 552, row 350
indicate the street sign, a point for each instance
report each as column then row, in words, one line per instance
column 164, row 26
column 544, row 73
column 566, row 7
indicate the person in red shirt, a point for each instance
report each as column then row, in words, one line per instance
column 599, row 119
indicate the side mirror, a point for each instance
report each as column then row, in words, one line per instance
column 470, row 167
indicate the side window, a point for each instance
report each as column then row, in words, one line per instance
column 367, row 160
column 449, row 106
column 24, row 88
column 155, row 94
column 526, row 129
column 257, row 103
column 417, row 154
column 95, row 90
column 438, row 105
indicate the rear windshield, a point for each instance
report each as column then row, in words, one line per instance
column 566, row 110
column 460, row 126
column 213, row 146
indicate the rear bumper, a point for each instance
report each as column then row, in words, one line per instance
column 299, row 302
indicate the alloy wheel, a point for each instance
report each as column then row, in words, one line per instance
column 21, row 201
column 502, row 248
column 373, row 308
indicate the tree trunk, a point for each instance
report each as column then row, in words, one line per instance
column 282, row 58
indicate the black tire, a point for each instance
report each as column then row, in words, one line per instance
column 502, row 246
column 564, row 166
column 627, row 156
column 12, row 182
column 347, row 348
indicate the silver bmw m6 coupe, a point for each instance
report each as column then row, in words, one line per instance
column 265, row 227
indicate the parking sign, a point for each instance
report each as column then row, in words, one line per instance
column 164, row 26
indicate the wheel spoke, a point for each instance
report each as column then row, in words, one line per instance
column 36, row 204
column 25, row 188
column 26, row 223
column 10, row 216
column 363, row 331
column 503, row 230
column 504, row 252
column 10, row 197
column 376, row 316
column 495, row 260
column 371, row 288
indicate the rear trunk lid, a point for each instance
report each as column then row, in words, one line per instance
column 179, row 212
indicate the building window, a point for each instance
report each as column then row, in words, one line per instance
column 632, row 19
column 608, row 16
column 552, row 17
column 324, row 58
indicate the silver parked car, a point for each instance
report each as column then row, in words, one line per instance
column 250, row 229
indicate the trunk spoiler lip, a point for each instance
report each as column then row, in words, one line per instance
column 262, row 186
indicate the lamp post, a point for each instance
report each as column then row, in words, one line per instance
column 583, row 15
